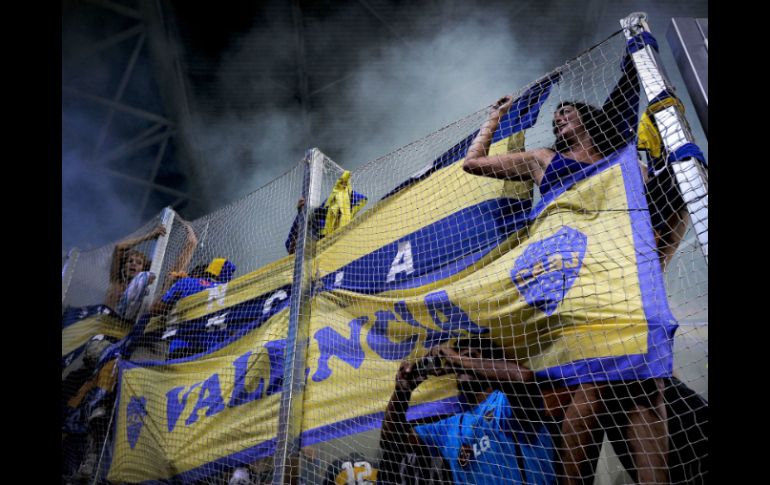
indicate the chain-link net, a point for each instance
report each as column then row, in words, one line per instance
column 89, row 271
column 488, row 303
column 441, row 267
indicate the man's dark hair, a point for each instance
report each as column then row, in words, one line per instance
column 602, row 131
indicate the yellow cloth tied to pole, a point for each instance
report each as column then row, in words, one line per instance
column 649, row 136
column 338, row 213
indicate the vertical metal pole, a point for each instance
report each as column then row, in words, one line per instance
column 690, row 45
column 158, row 255
column 290, row 413
column 66, row 273
column 690, row 175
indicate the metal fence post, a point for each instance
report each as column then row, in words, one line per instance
column 690, row 176
column 66, row 272
column 688, row 38
column 158, row 255
column 290, row 413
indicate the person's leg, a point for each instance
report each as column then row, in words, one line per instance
column 581, row 435
column 672, row 235
column 87, row 466
column 687, row 414
column 614, row 425
column 647, row 432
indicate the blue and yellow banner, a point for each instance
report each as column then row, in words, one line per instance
column 571, row 287
column 79, row 325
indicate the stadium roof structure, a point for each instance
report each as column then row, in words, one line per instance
column 143, row 80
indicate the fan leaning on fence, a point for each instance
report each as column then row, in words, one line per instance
column 128, row 263
column 91, row 387
column 129, row 280
column 584, row 135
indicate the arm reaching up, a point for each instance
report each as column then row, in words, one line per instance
column 509, row 166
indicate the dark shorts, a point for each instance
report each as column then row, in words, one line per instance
column 663, row 199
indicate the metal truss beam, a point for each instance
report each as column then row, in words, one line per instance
column 106, row 44
column 129, row 148
column 155, row 168
column 139, row 113
column 117, row 8
column 302, row 77
column 119, row 93
column 382, row 21
column 139, row 181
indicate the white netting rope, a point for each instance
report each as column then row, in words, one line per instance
column 530, row 254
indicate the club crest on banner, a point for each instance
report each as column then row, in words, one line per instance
column 135, row 413
column 546, row 270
